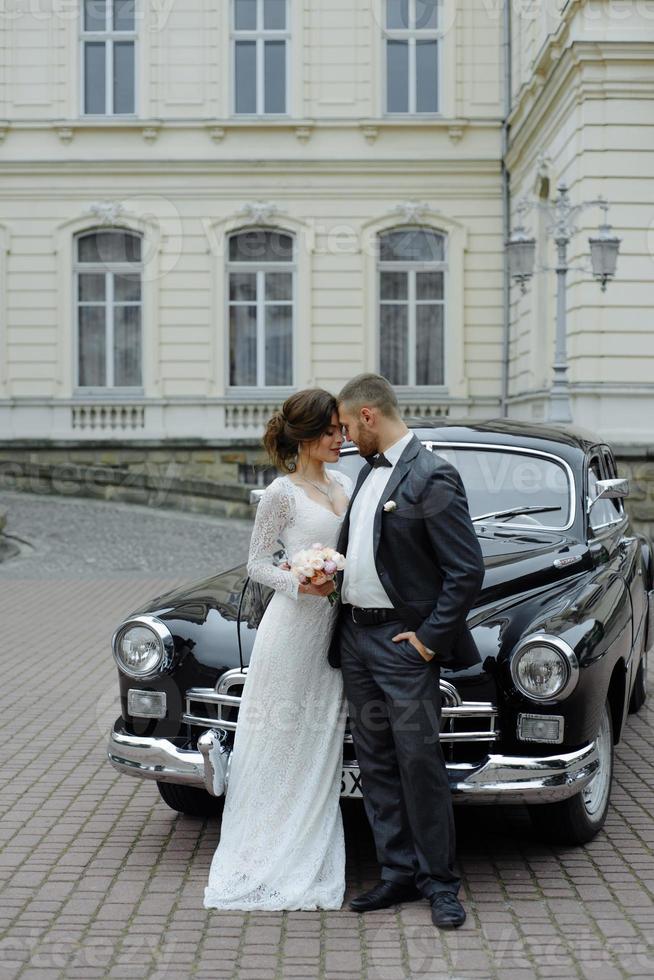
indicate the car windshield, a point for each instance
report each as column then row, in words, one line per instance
column 500, row 480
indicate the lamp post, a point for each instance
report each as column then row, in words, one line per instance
column 521, row 250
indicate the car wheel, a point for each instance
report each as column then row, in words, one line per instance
column 639, row 692
column 578, row 819
column 187, row 799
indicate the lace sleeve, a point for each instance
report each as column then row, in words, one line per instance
column 275, row 511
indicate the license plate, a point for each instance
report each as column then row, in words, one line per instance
column 351, row 783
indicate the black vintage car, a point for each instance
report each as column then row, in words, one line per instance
column 563, row 624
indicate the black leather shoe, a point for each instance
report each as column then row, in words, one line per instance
column 446, row 910
column 383, row 895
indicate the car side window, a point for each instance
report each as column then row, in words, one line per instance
column 602, row 513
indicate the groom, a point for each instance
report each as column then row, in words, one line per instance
column 413, row 570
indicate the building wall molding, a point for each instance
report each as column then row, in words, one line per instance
column 573, row 78
column 4, row 337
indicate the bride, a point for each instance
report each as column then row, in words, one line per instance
column 281, row 843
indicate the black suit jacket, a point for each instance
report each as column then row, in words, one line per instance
column 426, row 552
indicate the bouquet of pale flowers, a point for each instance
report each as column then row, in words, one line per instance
column 318, row 565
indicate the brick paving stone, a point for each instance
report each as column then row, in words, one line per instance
column 302, row 947
column 98, row 878
column 299, row 972
column 259, row 973
column 343, row 961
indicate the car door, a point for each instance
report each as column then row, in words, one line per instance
column 611, row 558
column 632, row 565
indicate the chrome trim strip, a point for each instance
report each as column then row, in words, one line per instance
column 199, row 720
column 568, row 560
column 208, row 696
column 495, row 779
column 487, row 736
column 471, row 709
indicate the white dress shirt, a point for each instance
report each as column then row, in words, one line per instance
column 361, row 586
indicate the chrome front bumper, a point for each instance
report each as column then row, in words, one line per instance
column 496, row 779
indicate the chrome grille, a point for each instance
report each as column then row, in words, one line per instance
column 461, row 721
column 217, row 707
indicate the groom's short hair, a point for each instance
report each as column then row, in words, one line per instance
column 372, row 390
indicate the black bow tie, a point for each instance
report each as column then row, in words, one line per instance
column 377, row 459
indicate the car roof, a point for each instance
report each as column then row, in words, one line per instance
column 567, row 441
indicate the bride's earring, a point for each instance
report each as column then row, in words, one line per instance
column 292, row 466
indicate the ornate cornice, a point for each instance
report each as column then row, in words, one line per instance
column 218, row 129
column 412, row 212
column 107, row 212
column 486, row 167
column 572, row 78
column 259, row 212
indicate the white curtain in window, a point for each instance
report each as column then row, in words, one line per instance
column 411, row 306
column 260, row 274
column 109, row 340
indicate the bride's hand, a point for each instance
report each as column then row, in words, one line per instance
column 320, row 590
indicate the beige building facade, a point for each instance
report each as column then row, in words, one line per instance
column 205, row 206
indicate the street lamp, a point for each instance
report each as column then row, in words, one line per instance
column 521, row 251
column 604, row 250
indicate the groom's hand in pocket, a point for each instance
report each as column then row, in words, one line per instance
column 413, row 639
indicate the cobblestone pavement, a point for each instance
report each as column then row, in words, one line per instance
column 79, row 536
column 98, row 878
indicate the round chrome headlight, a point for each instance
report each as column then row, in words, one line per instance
column 143, row 646
column 544, row 668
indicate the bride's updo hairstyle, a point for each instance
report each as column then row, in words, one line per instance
column 303, row 417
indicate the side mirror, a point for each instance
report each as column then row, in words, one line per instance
column 609, row 489
column 255, row 496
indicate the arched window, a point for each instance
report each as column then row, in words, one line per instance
column 261, row 289
column 108, row 277
column 412, row 306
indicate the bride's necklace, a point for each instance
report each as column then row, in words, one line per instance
column 326, row 493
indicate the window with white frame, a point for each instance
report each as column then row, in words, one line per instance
column 412, row 306
column 260, row 43
column 108, row 274
column 261, row 289
column 412, row 38
column 108, row 52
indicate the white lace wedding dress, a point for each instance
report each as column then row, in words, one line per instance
column 281, row 842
